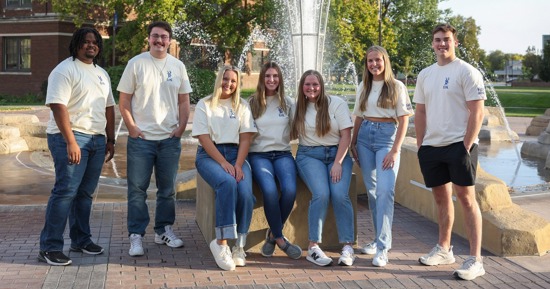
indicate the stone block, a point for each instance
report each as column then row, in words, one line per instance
column 535, row 149
column 35, row 143
column 544, row 138
column 9, row 132
column 13, row 145
column 296, row 227
column 18, row 118
column 32, row 129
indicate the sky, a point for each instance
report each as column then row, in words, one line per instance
column 506, row 25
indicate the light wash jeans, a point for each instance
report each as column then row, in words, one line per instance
column 71, row 196
column 143, row 156
column 374, row 141
column 234, row 201
column 268, row 168
column 314, row 164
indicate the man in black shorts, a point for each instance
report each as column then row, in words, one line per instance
column 449, row 99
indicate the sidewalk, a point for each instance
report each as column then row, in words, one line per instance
column 193, row 265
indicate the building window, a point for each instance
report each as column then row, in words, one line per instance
column 259, row 57
column 18, row 3
column 17, row 54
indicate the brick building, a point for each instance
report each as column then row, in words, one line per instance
column 33, row 40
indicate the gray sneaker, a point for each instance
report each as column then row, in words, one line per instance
column 369, row 248
column 269, row 245
column 470, row 269
column 291, row 250
column 438, row 256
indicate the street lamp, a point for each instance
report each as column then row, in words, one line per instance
column 379, row 23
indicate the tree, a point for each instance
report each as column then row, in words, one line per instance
column 228, row 22
column 496, row 60
column 531, row 63
column 545, row 63
column 351, row 28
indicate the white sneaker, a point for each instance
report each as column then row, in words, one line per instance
column 168, row 238
column 222, row 255
column 369, row 248
column 471, row 269
column 239, row 256
column 136, row 246
column 380, row 259
column 438, row 256
column 316, row 256
column 347, row 256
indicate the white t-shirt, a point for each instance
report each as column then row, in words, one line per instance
column 223, row 123
column 273, row 126
column 155, row 85
column 340, row 119
column 444, row 90
column 85, row 89
column 403, row 106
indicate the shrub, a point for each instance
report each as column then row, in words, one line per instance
column 202, row 82
column 115, row 72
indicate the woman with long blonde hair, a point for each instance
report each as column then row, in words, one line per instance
column 322, row 124
column 224, row 126
column 382, row 110
column 270, row 157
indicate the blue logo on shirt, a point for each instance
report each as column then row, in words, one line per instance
column 281, row 112
column 101, row 80
column 232, row 114
column 446, row 85
column 169, row 78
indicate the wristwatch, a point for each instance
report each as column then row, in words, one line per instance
column 111, row 141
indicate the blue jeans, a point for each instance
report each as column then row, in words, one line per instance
column 234, row 201
column 374, row 141
column 144, row 155
column 71, row 196
column 267, row 169
column 314, row 164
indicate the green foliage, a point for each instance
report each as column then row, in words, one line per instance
column 202, row 82
column 27, row 99
column 531, row 64
column 524, row 101
column 115, row 72
column 545, row 64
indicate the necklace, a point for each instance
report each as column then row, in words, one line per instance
column 160, row 70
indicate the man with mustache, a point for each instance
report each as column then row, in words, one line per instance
column 154, row 103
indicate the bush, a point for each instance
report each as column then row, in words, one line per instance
column 202, row 82
column 115, row 72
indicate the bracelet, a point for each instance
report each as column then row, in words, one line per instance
column 111, row 141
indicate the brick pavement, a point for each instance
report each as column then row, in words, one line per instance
column 194, row 266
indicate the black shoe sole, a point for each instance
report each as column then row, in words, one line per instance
column 46, row 260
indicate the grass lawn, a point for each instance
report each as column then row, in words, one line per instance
column 521, row 101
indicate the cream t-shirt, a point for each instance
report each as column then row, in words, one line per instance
column 85, row 89
column 155, row 85
column 444, row 90
column 273, row 126
column 340, row 119
column 223, row 123
column 403, row 106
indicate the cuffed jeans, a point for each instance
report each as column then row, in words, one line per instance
column 144, row 155
column 267, row 169
column 374, row 141
column 71, row 196
column 314, row 164
column 234, row 200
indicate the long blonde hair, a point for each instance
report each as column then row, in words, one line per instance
column 258, row 100
column 235, row 96
column 388, row 95
column 322, row 121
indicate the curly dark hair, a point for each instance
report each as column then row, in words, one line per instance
column 79, row 38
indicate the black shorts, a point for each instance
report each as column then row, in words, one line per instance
column 452, row 163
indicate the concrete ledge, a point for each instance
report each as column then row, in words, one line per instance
column 508, row 229
column 535, row 149
column 296, row 227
